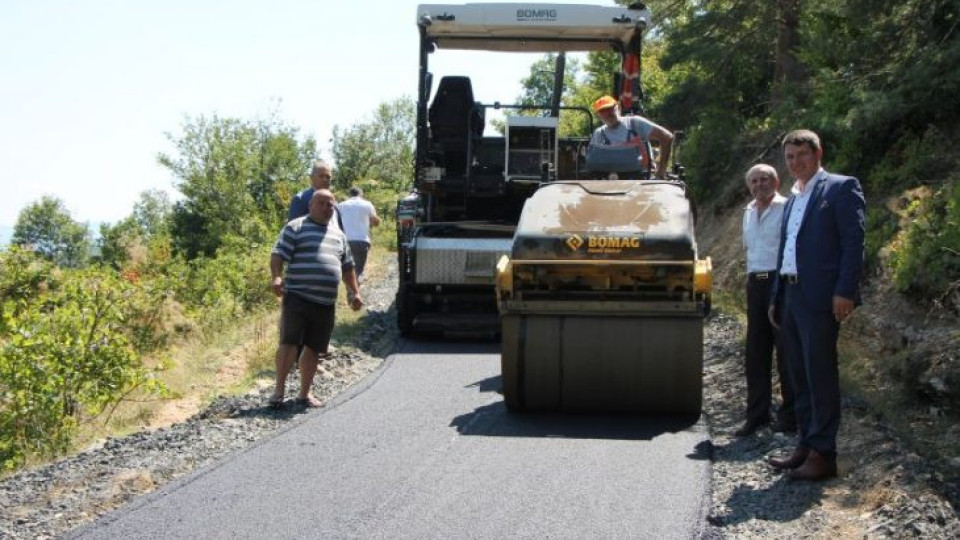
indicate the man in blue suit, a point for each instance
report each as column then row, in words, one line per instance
column 816, row 288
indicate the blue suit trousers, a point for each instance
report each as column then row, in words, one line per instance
column 810, row 345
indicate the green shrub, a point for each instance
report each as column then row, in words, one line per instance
column 926, row 259
column 220, row 289
column 68, row 356
column 881, row 229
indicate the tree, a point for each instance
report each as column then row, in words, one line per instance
column 118, row 240
column 380, row 149
column 789, row 71
column 47, row 228
column 237, row 178
column 537, row 90
column 152, row 212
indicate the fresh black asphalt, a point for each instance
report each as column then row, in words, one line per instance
column 424, row 448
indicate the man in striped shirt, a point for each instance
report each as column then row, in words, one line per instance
column 317, row 258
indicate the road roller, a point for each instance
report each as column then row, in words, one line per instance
column 602, row 300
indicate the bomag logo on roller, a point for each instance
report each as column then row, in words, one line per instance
column 603, row 244
column 574, row 242
column 541, row 14
column 611, row 244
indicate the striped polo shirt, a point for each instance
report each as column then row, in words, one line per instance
column 316, row 257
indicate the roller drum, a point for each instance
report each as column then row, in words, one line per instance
column 574, row 363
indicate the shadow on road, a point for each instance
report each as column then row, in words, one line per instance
column 784, row 500
column 493, row 420
column 448, row 345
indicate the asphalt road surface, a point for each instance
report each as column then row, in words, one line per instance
column 424, row 448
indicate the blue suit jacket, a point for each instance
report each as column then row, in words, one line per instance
column 829, row 243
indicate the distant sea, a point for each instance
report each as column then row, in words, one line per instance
column 6, row 233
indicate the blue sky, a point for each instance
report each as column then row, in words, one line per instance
column 90, row 88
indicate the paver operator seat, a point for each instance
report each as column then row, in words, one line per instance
column 452, row 109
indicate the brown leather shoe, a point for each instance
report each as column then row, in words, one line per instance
column 794, row 460
column 816, row 467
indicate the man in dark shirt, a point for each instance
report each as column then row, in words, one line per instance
column 321, row 176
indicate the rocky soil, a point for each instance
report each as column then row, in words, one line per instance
column 884, row 491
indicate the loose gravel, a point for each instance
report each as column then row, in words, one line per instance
column 884, row 490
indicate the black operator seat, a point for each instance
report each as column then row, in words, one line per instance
column 448, row 116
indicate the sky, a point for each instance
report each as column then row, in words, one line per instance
column 91, row 89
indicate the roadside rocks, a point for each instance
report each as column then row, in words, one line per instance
column 884, row 490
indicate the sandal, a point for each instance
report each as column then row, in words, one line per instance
column 275, row 401
column 310, row 402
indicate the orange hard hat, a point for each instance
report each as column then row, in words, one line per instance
column 605, row 102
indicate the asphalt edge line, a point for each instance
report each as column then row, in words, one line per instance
column 138, row 503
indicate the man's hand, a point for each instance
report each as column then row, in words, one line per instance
column 842, row 308
column 772, row 315
column 354, row 300
column 277, row 286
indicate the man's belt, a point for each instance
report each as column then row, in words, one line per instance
column 789, row 278
column 761, row 276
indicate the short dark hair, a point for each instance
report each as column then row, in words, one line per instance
column 802, row 136
column 355, row 191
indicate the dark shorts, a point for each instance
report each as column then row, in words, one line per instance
column 306, row 323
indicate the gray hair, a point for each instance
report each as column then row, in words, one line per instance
column 319, row 164
column 761, row 168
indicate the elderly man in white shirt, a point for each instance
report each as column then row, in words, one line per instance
column 762, row 219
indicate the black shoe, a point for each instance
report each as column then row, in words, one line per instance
column 780, row 426
column 750, row 427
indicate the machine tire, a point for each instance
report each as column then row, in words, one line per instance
column 690, row 393
column 509, row 366
column 510, row 391
column 405, row 314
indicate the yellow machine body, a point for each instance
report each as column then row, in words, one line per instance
column 602, row 301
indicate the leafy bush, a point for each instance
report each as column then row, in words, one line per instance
column 218, row 290
column 881, row 228
column 926, row 257
column 66, row 357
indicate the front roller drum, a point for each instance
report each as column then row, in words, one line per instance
column 602, row 364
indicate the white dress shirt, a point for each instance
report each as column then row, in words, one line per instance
column 761, row 234
column 801, row 198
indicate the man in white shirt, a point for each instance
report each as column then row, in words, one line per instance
column 358, row 216
column 761, row 242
